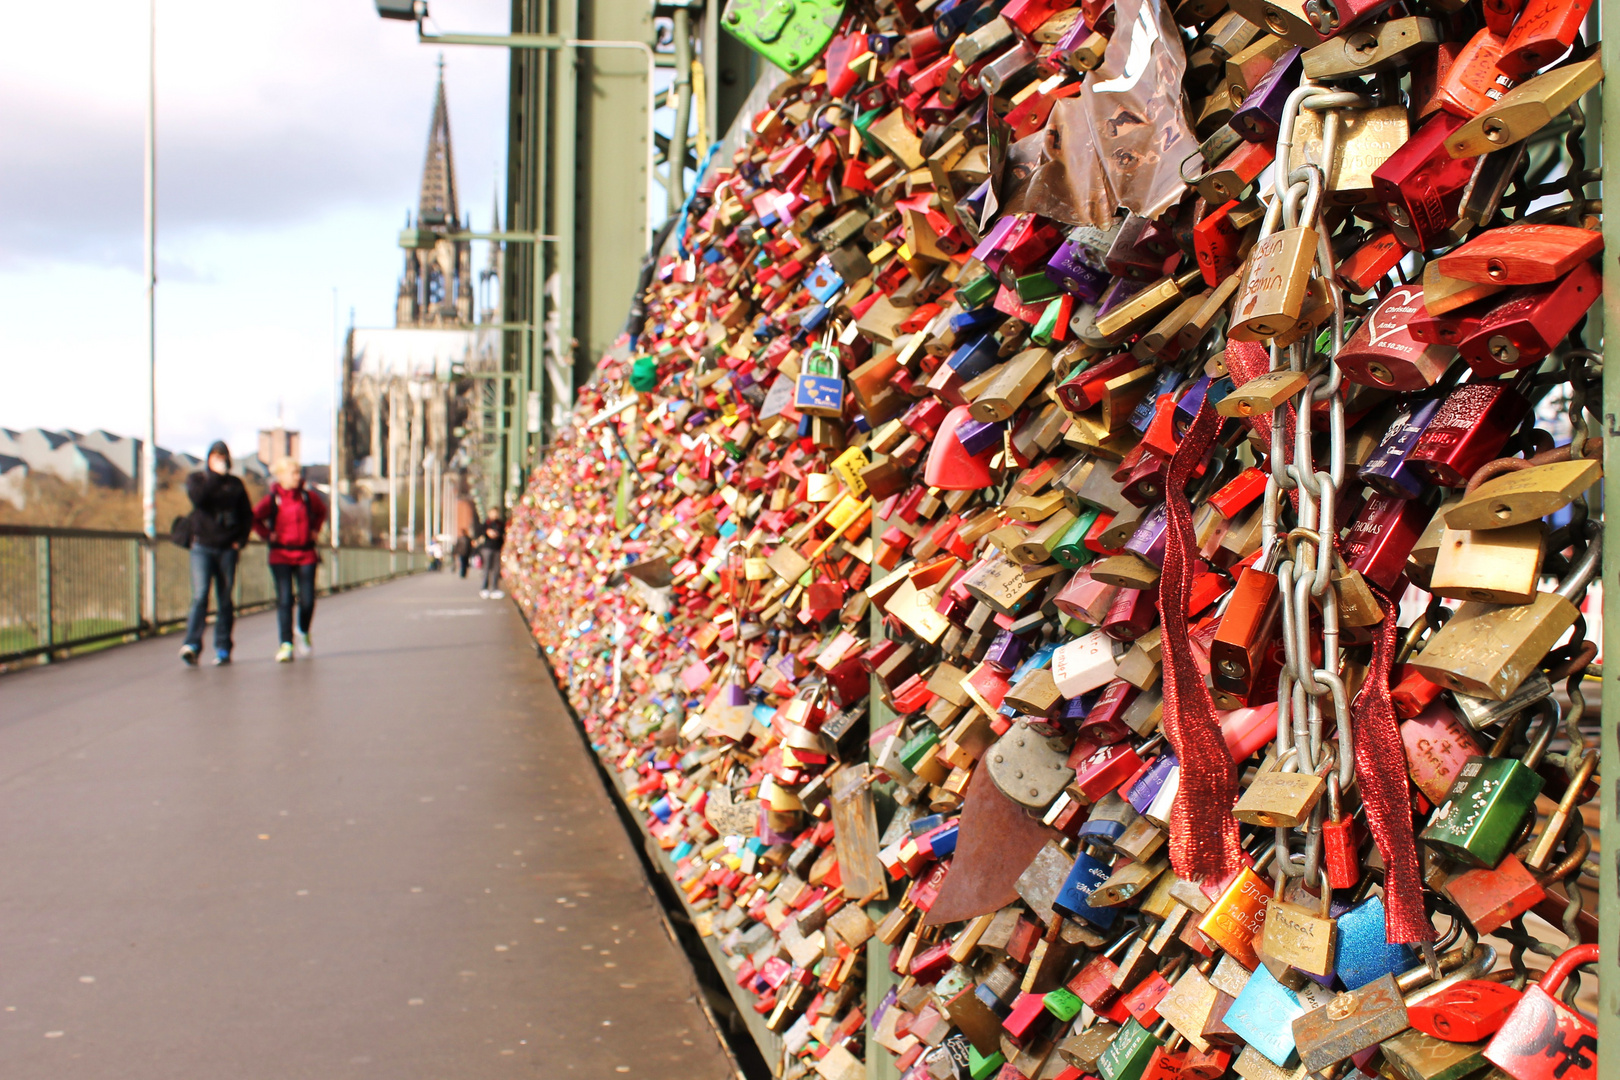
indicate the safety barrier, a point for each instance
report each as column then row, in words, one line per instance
column 66, row 589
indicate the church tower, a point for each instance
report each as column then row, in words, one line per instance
column 437, row 288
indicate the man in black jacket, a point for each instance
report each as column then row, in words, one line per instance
column 490, row 543
column 221, row 521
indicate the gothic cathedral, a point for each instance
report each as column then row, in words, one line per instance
column 437, row 287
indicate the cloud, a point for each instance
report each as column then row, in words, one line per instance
column 290, row 146
column 263, row 121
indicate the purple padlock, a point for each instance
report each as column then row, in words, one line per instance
column 1076, row 266
column 1120, row 291
column 1260, row 115
column 1148, row 539
column 1387, row 471
column 1006, row 651
column 1146, row 789
column 978, row 437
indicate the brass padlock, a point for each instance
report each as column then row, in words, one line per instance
column 1495, row 566
column 1299, row 937
column 1279, row 799
column 1273, row 294
column 1487, row 650
column 1357, row 605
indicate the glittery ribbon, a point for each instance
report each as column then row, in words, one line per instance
column 1381, row 772
column 1203, row 833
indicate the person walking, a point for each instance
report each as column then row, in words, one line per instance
column 463, row 551
column 220, row 522
column 490, row 543
column 290, row 518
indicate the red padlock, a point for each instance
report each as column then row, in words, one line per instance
column 1544, row 1039
column 1465, row 1012
column 1341, row 841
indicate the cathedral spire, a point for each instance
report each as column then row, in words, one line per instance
column 437, row 287
column 437, row 207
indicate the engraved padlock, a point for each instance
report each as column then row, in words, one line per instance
column 1273, row 294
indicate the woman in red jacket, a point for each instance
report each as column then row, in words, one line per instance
column 290, row 518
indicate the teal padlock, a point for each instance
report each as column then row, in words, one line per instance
column 788, row 33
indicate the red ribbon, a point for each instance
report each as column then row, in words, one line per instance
column 1381, row 772
column 1203, row 833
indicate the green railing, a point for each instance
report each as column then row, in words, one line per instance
column 65, row 589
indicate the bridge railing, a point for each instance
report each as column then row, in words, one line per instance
column 65, row 589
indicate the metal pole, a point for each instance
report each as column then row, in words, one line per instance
column 414, row 468
column 149, row 450
column 334, row 500
column 393, row 469
column 675, row 190
column 1609, row 717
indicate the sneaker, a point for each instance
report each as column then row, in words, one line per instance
column 284, row 654
column 483, row 594
column 302, row 645
column 497, row 595
column 188, row 653
column 221, row 657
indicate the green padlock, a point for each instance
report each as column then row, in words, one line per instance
column 1486, row 806
column 1127, row 1056
column 788, row 33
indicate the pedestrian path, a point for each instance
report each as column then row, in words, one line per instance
column 394, row 860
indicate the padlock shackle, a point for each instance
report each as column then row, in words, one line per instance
column 1568, row 961
column 1468, row 962
column 1586, row 567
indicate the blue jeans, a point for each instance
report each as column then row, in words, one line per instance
column 216, row 566
column 285, row 575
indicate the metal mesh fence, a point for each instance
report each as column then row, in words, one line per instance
column 62, row 589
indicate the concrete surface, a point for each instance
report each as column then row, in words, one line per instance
column 394, row 860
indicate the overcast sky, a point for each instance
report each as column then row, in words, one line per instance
column 290, row 145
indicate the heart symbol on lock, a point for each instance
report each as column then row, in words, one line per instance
column 1393, row 314
column 950, row 466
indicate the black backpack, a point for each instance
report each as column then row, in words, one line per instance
column 180, row 531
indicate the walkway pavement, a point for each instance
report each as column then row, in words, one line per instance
column 393, row 861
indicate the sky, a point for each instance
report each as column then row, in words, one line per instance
column 290, row 146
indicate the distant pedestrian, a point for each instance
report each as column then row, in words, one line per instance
column 220, row 523
column 463, row 551
column 490, row 542
column 290, row 518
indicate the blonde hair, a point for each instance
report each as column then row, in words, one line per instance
column 286, row 470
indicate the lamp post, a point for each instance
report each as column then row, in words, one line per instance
column 149, row 451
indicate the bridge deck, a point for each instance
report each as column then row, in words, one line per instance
column 394, row 860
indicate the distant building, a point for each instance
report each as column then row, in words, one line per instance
column 415, row 394
column 276, row 443
column 96, row 459
column 437, row 287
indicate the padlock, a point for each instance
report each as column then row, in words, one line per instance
column 1469, row 429
column 1493, row 566
column 1466, row 1012
column 1487, row 651
column 1247, row 627
column 1299, row 937
column 1529, row 322
column 1543, row 1037
column 1383, row 353
column 1279, row 799
column 1342, row 838
column 1272, row 297
column 1481, row 816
